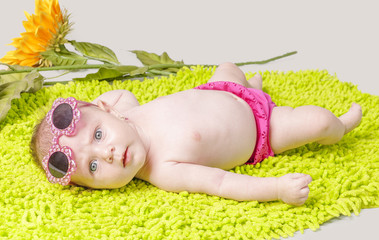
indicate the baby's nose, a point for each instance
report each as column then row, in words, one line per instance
column 108, row 155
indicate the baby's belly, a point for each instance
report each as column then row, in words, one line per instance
column 218, row 132
column 225, row 152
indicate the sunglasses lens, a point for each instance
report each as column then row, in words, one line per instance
column 58, row 164
column 62, row 116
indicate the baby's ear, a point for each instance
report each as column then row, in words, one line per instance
column 104, row 106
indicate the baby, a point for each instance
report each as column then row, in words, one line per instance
column 185, row 141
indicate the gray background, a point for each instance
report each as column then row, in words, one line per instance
column 339, row 36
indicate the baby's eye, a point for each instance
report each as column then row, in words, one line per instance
column 93, row 166
column 98, row 134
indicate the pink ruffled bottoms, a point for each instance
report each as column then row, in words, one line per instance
column 261, row 105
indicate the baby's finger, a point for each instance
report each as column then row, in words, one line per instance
column 308, row 178
column 303, row 200
column 305, row 179
column 304, row 191
column 298, row 175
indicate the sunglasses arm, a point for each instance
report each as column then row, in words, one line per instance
column 109, row 109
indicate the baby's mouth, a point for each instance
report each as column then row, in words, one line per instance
column 125, row 160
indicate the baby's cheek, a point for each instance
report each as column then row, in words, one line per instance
column 76, row 179
column 127, row 177
column 116, row 178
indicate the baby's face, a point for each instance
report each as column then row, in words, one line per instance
column 108, row 150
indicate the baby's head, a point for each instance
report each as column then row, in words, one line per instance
column 89, row 145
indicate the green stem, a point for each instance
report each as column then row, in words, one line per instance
column 159, row 72
column 10, row 66
column 161, row 66
column 60, row 75
column 268, row 60
column 55, row 68
column 53, row 83
column 152, row 67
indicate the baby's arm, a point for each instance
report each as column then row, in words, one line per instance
column 291, row 188
column 120, row 100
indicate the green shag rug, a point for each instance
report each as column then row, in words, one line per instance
column 345, row 175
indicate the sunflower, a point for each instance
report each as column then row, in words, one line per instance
column 46, row 29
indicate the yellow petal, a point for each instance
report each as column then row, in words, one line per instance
column 43, row 34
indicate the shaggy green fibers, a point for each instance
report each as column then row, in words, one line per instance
column 345, row 175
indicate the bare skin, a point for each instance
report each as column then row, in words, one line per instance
column 188, row 140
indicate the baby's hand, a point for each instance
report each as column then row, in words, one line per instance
column 293, row 188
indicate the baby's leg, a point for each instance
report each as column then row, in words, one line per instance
column 255, row 81
column 291, row 128
column 229, row 72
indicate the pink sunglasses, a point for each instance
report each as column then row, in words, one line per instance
column 62, row 118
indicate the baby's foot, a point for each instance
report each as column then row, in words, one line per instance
column 352, row 118
column 256, row 81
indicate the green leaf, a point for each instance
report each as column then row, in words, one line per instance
column 95, row 51
column 131, row 70
column 139, row 71
column 125, row 69
column 102, row 74
column 21, row 82
column 35, row 82
column 109, row 73
column 149, row 59
column 63, row 57
column 12, row 77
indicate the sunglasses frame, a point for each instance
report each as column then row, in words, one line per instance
column 57, row 133
column 65, row 180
